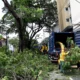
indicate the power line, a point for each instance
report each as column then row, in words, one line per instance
column 77, row 1
column 75, row 24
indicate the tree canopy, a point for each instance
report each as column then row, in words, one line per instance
column 28, row 17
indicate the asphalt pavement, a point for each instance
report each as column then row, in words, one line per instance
column 56, row 75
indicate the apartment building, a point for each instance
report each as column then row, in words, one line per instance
column 64, row 14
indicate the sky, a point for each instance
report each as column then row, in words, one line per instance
column 75, row 12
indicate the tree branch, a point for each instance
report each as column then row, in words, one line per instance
column 10, row 9
column 36, row 31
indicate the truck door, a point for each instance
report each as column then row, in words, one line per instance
column 77, row 38
column 51, row 43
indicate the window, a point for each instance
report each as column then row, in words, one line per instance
column 67, row 19
column 69, row 5
column 70, row 19
column 66, row 8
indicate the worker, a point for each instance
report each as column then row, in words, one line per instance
column 62, row 57
column 44, row 49
column 11, row 48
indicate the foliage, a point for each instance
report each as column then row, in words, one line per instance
column 5, row 78
column 3, row 49
column 39, row 12
column 1, row 37
column 72, row 58
column 68, row 39
column 34, row 44
column 18, row 15
column 14, row 42
column 70, row 42
column 50, row 17
column 46, row 40
column 27, row 65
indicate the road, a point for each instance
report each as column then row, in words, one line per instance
column 75, row 77
column 56, row 75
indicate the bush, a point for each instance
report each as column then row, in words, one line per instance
column 72, row 58
column 67, row 65
column 27, row 65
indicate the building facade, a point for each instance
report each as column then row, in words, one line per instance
column 64, row 14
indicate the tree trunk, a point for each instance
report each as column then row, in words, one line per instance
column 19, row 22
column 29, row 44
column 21, row 34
